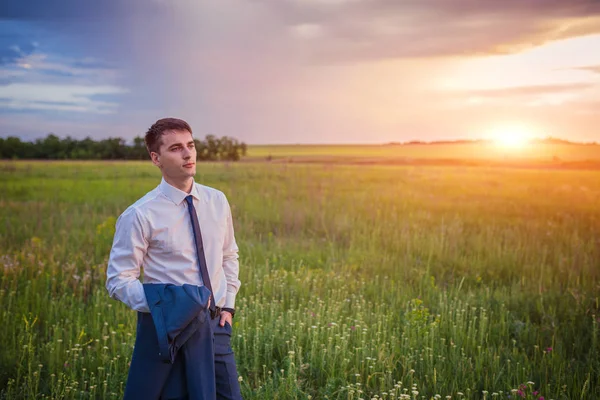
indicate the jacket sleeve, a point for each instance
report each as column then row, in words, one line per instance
column 126, row 255
column 230, row 260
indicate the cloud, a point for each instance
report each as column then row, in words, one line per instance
column 376, row 29
column 36, row 82
column 12, row 53
column 306, row 31
column 590, row 68
column 22, row 96
column 348, row 30
column 14, row 42
column 526, row 96
column 45, row 68
column 533, row 90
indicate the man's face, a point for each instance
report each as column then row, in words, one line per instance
column 177, row 158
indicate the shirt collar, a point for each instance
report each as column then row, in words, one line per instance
column 177, row 196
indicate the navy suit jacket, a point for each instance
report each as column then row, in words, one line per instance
column 173, row 354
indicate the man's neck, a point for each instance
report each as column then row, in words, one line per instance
column 183, row 185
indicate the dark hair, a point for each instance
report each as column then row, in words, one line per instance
column 154, row 135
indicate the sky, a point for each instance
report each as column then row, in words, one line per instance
column 302, row 71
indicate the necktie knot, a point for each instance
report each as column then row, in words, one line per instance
column 189, row 199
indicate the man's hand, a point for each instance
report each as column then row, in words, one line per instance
column 225, row 316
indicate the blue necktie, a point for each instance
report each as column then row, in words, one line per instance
column 200, row 250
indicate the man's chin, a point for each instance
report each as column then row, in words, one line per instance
column 186, row 173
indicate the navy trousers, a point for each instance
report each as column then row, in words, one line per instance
column 164, row 381
column 228, row 387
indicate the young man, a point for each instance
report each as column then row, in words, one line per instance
column 158, row 233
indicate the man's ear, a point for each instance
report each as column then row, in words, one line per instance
column 155, row 158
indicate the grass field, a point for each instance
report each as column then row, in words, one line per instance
column 485, row 153
column 358, row 282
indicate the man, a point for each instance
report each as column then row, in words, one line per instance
column 158, row 233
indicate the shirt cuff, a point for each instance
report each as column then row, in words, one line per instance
column 230, row 300
column 143, row 308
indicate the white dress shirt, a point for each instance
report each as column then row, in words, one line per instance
column 156, row 233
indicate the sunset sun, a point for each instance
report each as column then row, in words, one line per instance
column 511, row 136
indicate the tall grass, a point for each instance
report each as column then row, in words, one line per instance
column 357, row 282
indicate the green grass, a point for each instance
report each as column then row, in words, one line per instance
column 356, row 281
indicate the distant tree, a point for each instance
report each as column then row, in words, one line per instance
column 201, row 150
column 52, row 147
column 12, row 147
column 114, row 148
column 68, row 145
column 138, row 151
column 212, row 147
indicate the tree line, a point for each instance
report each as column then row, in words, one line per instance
column 52, row 147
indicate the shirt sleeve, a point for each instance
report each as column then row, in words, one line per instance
column 126, row 255
column 230, row 260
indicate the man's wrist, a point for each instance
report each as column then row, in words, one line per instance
column 229, row 310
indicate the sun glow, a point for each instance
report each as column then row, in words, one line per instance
column 514, row 137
